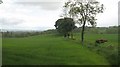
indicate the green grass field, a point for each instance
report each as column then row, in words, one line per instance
column 50, row 49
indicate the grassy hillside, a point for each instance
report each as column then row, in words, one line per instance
column 52, row 49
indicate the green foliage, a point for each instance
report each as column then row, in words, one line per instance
column 11, row 34
column 20, row 34
column 89, row 30
column 99, row 30
column 84, row 12
column 112, row 30
column 65, row 25
column 108, row 49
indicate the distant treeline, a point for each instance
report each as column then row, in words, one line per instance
column 12, row 34
column 100, row 30
column 89, row 30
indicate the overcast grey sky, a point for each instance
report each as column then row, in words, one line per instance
column 42, row 14
column 119, row 13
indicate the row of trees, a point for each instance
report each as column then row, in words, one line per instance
column 90, row 30
column 103, row 30
column 11, row 34
column 82, row 13
column 19, row 34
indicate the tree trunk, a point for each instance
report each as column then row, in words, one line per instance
column 71, row 35
column 82, row 35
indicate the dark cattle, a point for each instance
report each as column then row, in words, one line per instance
column 101, row 41
column 66, row 35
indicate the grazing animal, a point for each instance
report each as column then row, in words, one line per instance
column 99, row 41
column 67, row 35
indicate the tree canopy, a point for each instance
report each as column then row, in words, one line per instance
column 65, row 25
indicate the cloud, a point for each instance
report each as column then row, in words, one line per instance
column 50, row 5
column 43, row 4
column 119, row 12
column 10, row 21
column 18, row 16
column 39, row 0
column 42, row 14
